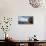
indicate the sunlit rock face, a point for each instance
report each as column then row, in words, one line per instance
column 35, row 3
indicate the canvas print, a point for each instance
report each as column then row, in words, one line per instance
column 25, row 19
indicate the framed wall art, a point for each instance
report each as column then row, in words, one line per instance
column 25, row 19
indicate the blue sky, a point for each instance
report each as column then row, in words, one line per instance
column 23, row 18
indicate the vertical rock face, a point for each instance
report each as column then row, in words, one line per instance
column 35, row 3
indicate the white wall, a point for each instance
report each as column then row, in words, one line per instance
column 7, row 8
column 15, row 8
